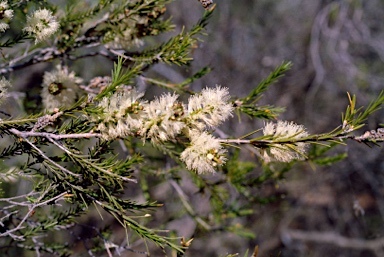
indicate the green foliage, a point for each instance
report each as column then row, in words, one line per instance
column 273, row 77
column 178, row 48
column 318, row 155
column 354, row 118
column 119, row 78
column 248, row 105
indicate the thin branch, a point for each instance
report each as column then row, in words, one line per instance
column 49, row 54
column 45, row 55
column 334, row 239
column 188, row 207
column 30, row 211
column 62, row 147
column 18, row 133
column 369, row 136
column 25, row 134
column 18, row 196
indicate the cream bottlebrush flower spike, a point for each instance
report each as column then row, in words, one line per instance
column 122, row 115
column 41, row 24
column 209, row 108
column 204, row 154
column 5, row 15
column 60, row 88
column 284, row 130
column 163, row 119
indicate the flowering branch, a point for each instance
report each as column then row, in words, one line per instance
column 68, row 151
column 367, row 137
column 16, row 132
column 53, row 136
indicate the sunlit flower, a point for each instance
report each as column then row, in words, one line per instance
column 42, row 24
column 5, row 15
column 204, row 154
column 286, row 133
column 163, row 119
column 3, row 26
column 121, row 115
column 4, row 85
column 210, row 107
column 60, row 88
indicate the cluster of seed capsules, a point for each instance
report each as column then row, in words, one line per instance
column 377, row 135
column 206, row 3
